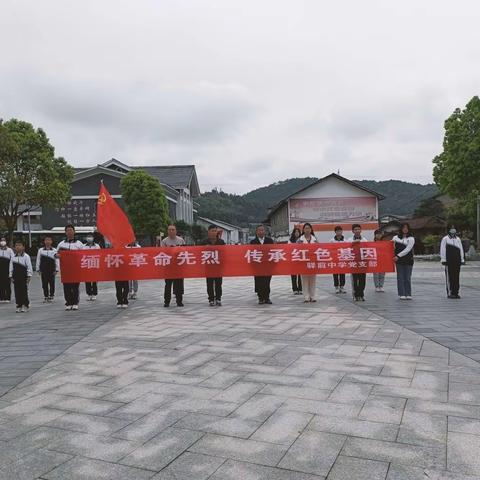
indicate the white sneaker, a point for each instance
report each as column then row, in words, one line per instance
column 94, row 297
column 408, row 297
column 403, row 297
column 119, row 306
column 124, row 306
column 134, row 296
column 381, row 289
column 24, row 309
column 75, row 307
column 68, row 307
column 18, row 310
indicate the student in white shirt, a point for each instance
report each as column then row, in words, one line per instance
column 173, row 240
column 47, row 266
column 21, row 272
column 404, row 243
column 91, row 288
column 452, row 257
column 6, row 253
column 296, row 279
column 338, row 278
column 309, row 282
column 359, row 280
column 71, row 291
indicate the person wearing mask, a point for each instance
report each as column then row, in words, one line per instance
column 71, row 291
column 91, row 288
column 338, row 278
column 296, row 279
column 6, row 253
column 359, row 280
column 452, row 257
column 47, row 266
column 262, row 283
column 378, row 277
column 214, row 285
column 403, row 245
column 133, row 284
column 173, row 240
column 309, row 282
column 20, row 273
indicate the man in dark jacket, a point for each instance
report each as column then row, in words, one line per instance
column 214, row 285
column 262, row 284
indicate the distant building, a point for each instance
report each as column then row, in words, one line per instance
column 325, row 203
column 230, row 233
column 179, row 183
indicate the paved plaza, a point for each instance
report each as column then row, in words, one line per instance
column 383, row 389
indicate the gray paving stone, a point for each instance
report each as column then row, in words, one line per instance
column 463, row 453
column 402, row 472
column 189, row 466
column 259, row 407
column 158, row 452
column 87, row 469
column 423, row 429
column 321, row 407
column 304, row 455
column 96, row 425
column 350, row 393
column 383, row 409
column 348, row 468
column 283, row 427
column 234, row 470
column 354, row 427
column 239, row 449
column 462, row 425
column 230, row 426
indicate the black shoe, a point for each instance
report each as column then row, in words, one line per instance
column 457, row 296
column 212, row 303
column 268, row 301
column 180, row 304
column 166, row 305
column 451, row 296
column 362, row 299
column 218, row 303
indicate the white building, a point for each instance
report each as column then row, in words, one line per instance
column 231, row 234
column 326, row 203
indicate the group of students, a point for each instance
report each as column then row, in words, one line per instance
column 451, row 253
column 16, row 268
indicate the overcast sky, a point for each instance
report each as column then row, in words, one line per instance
column 250, row 91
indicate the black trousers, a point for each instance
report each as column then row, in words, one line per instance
column 5, row 287
column 177, row 285
column 91, row 288
column 214, row 288
column 296, row 283
column 452, row 273
column 71, row 292
column 338, row 279
column 122, row 289
column 20, row 287
column 262, row 287
column 48, row 284
column 359, row 281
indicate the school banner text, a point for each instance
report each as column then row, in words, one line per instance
column 225, row 261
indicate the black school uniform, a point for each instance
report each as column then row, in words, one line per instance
column 5, row 283
column 71, row 291
column 48, row 266
column 214, row 285
column 20, row 272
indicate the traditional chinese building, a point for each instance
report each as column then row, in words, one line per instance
column 179, row 183
column 326, row 203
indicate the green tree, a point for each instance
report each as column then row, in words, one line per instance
column 198, row 233
column 457, row 169
column 183, row 228
column 30, row 174
column 430, row 207
column 145, row 202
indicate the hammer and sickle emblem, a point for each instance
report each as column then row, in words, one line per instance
column 102, row 199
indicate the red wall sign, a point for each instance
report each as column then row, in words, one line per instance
column 225, row 261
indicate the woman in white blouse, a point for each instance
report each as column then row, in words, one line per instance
column 309, row 282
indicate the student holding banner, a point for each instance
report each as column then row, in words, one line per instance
column 338, row 278
column 359, row 280
column 309, row 282
column 262, row 284
column 91, row 288
column 214, row 285
column 173, row 240
column 71, row 291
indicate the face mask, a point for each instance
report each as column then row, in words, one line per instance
column 90, row 239
column 452, row 232
column 3, row 243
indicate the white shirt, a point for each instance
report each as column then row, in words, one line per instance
column 91, row 246
column 7, row 253
column 334, row 240
column 67, row 245
column 454, row 242
column 409, row 243
column 353, row 239
column 50, row 253
column 172, row 242
column 24, row 260
column 302, row 239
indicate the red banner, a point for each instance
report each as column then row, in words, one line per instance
column 225, row 261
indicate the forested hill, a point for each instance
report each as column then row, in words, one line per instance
column 401, row 198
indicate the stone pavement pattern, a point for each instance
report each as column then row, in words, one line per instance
column 289, row 392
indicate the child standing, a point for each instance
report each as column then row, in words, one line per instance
column 338, row 278
column 6, row 253
column 48, row 266
column 358, row 279
column 20, row 273
column 91, row 288
column 378, row 278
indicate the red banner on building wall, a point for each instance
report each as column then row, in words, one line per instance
column 225, row 261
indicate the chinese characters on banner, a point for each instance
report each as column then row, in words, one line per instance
column 225, row 261
column 79, row 212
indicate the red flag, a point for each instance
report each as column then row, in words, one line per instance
column 112, row 222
